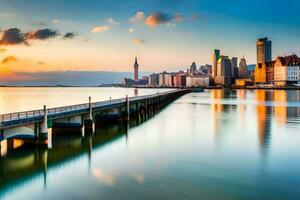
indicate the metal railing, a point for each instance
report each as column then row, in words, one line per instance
column 66, row 109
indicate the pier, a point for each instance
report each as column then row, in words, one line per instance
column 34, row 125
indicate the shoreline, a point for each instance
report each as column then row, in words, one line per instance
column 147, row 87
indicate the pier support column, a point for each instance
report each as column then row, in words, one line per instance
column 89, row 123
column 43, row 134
column 126, row 113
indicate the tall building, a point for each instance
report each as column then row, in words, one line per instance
column 136, row 70
column 223, row 71
column 215, row 58
column 234, row 67
column 193, row 68
column 243, row 72
column 264, row 50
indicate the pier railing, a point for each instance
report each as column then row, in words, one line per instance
column 64, row 109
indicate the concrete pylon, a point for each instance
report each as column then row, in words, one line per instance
column 127, row 106
column 44, row 126
column 89, row 123
column 90, row 109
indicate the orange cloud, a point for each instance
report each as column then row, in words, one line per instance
column 138, row 41
column 100, row 29
column 158, row 18
column 9, row 59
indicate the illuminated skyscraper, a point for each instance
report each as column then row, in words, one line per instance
column 136, row 70
column 215, row 58
column 264, row 50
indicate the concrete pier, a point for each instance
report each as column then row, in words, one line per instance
column 75, row 118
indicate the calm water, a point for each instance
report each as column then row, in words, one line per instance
column 213, row 145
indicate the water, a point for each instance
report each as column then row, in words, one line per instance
column 213, row 145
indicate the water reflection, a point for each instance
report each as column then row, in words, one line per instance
column 21, row 163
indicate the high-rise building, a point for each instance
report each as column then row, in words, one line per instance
column 193, row 68
column 136, row 70
column 234, row 67
column 215, row 58
column 264, row 50
column 243, row 72
column 223, row 71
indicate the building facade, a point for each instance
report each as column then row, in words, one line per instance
column 223, row 71
column 243, row 72
column 264, row 73
column 215, row 58
column 264, row 50
column 197, row 80
column 287, row 70
column 234, row 67
column 153, row 80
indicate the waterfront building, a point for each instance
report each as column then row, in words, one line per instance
column 193, row 68
column 223, row 71
column 197, row 80
column 136, row 70
column 153, row 80
column 215, row 58
column 264, row 73
column 264, row 50
column 165, row 79
column 243, row 74
column 234, row 67
column 264, row 69
column 287, row 70
column 206, row 69
column 243, row 82
column 180, row 79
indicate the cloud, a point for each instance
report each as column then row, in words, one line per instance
column 131, row 30
column 137, row 18
column 100, row 29
column 138, row 41
column 112, row 21
column 13, row 36
column 69, row 35
column 2, row 50
column 42, row 34
column 158, row 18
column 9, row 59
column 55, row 21
column 40, row 63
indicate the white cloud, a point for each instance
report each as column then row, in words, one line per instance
column 131, row 30
column 138, row 17
column 55, row 21
column 112, row 21
column 100, row 29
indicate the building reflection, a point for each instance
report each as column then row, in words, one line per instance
column 221, row 108
column 264, row 119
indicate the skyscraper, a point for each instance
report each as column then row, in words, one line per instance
column 136, row 70
column 223, row 71
column 193, row 68
column 243, row 69
column 234, row 67
column 215, row 58
column 264, row 50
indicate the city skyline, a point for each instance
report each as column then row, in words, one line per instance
column 164, row 35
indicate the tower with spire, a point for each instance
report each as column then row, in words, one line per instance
column 136, row 70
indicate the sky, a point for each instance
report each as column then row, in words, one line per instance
column 39, row 36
